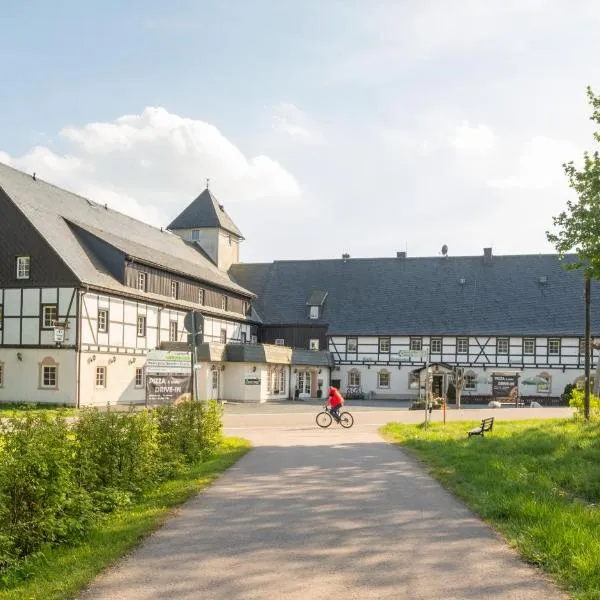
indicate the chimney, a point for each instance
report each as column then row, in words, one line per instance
column 400, row 254
column 487, row 255
column 345, row 256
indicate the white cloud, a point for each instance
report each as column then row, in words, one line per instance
column 539, row 165
column 153, row 164
column 473, row 139
column 288, row 119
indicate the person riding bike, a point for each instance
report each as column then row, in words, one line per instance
column 335, row 402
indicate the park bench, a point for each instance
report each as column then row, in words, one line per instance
column 486, row 425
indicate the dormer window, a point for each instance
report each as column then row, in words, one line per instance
column 314, row 312
column 174, row 289
column 224, row 302
column 195, row 235
column 141, row 282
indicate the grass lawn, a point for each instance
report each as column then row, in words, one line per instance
column 536, row 482
column 62, row 572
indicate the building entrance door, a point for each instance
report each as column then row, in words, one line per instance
column 437, row 386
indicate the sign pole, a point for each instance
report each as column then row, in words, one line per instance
column 193, row 354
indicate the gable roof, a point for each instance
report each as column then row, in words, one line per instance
column 504, row 295
column 50, row 210
column 204, row 211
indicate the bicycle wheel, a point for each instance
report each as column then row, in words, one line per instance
column 324, row 419
column 346, row 420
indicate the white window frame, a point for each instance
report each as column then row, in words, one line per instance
column 100, row 377
column 46, row 367
column 349, row 349
column 581, row 345
column 354, row 378
column 462, row 345
column 139, row 377
column 502, row 345
column 280, row 342
column 195, row 235
column 173, row 331
column 384, row 345
column 141, row 331
column 416, row 343
column 470, row 382
column 142, row 281
column 23, row 267
column 526, row 350
column 243, row 337
column 223, row 336
column 554, row 342
column 102, row 320
column 253, row 339
column 47, row 322
column 314, row 312
column 384, row 386
column 174, row 289
column 223, row 302
column 435, row 345
column 313, row 344
column 201, row 296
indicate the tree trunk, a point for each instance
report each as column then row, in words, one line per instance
column 586, row 393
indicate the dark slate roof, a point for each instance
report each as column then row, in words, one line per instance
column 204, row 211
column 50, row 210
column 316, row 298
column 426, row 296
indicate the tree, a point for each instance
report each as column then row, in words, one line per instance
column 579, row 229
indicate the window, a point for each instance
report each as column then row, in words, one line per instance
column 554, row 346
column 383, row 379
column 352, row 345
column 313, row 344
column 544, row 382
column 174, row 289
column 245, row 307
column 416, row 343
column 141, row 326
column 354, row 378
column 276, row 380
column 314, row 312
column 528, row 346
column 1, row 375
column 243, row 337
column 581, row 344
column 384, row 344
column 462, row 345
column 1, row 317
column 253, row 339
column 470, row 381
column 223, row 336
column 436, row 345
column 139, row 377
column 49, row 374
column 102, row 320
column 502, row 345
column 224, row 302
column 414, row 380
column 173, row 331
column 141, row 284
column 195, row 235
column 23, row 267
column 49, row 315
column 279, row 342
column 201, row 296
column 100, row 377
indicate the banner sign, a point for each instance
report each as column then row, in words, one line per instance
column 413, row 354
column 168, row 389
column 503, row 384
column 252, row 379
column 169, row 362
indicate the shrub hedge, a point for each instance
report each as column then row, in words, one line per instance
column 58, row 479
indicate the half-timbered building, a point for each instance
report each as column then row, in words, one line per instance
column 384, row 319
column 86, row 292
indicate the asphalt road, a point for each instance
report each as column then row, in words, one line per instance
column 322, row 514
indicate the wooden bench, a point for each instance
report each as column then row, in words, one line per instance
column 486, row 425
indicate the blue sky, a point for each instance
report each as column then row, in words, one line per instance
column 326, row 127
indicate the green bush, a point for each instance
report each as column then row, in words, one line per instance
column 565, row 397
column 40, row 501
column 56, row 481
column 577, row 402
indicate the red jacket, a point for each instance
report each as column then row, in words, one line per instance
column 335, row 398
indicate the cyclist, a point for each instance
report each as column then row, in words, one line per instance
column 335, row 402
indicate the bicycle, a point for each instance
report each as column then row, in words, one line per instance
column 325, row 418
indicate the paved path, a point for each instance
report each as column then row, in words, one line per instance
column 322, row 514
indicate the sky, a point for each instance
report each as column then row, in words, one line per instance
column 325, row 127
